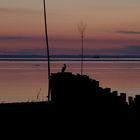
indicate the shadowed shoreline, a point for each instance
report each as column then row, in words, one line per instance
column 78, row 106
column 79, row 92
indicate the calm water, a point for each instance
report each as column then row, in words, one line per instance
column 24, row 81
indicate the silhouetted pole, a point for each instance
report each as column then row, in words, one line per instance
column 82, row 28
column 82, row 53
column 48, row 53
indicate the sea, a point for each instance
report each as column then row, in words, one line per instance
column 27, row 81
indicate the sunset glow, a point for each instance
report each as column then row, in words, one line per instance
column 112, row 26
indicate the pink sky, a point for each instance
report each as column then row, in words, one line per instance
column 112, row 26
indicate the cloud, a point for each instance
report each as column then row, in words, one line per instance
column 23, row 51
column 30, row 38
column 128, row 50
column 17, row 10
column 132, row 49
column 128, row 32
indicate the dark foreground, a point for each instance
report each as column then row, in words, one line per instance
column 79, row 106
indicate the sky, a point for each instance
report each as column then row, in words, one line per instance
column 112, row 27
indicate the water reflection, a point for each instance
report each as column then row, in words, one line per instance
column 27, row 81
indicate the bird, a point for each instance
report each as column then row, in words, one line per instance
column 64, row 68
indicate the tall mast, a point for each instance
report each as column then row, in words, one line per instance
column 48, row 53
column 81, row 29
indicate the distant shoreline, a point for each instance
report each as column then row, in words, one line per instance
column 70, row 59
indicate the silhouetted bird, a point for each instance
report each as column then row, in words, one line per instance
column 64, row 68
